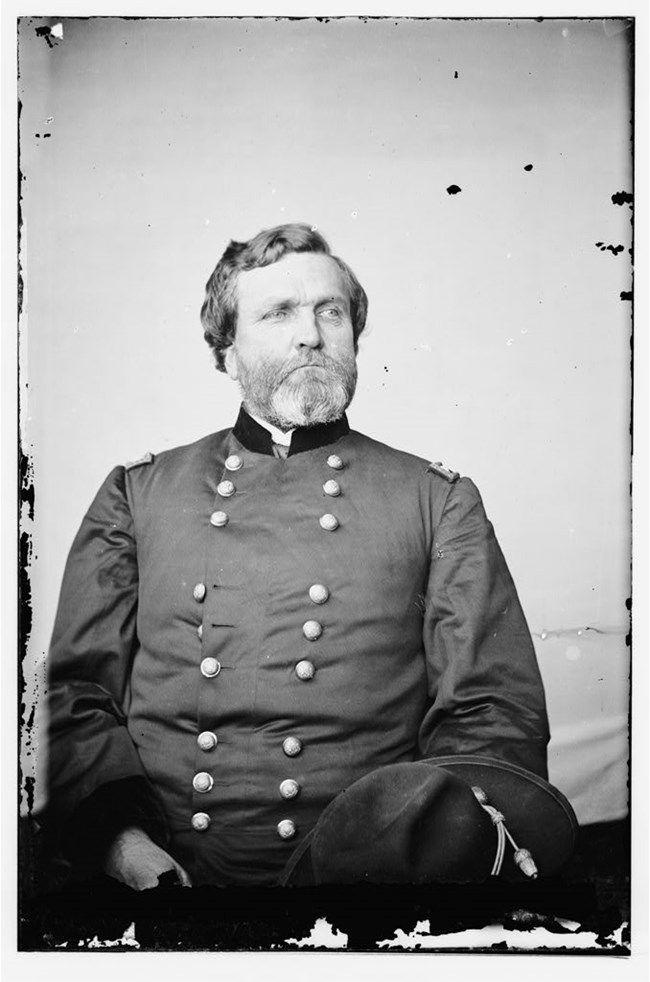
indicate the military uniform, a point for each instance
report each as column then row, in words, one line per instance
column 241, row 637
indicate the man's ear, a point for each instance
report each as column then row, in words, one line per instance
column 230, row 362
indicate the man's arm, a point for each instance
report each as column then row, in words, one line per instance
column 484, row 682
column 97, row 786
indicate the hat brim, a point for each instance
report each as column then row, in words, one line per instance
column 537, row 815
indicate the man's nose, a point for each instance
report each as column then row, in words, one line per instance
column 307, row 332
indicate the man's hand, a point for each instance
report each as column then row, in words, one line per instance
column 137, row 861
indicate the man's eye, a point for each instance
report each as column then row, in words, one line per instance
column 276, row 315
column 330, row 313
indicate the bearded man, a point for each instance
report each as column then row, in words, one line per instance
column 252, row 624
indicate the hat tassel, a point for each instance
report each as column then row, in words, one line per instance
column 522, row 857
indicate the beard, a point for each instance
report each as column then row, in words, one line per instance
column 313, row 389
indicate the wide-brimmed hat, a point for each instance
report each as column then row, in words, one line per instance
column 454, row 819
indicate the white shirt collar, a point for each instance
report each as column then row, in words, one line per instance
column 284, row 439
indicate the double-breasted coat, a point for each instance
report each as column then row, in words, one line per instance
column 240, row 637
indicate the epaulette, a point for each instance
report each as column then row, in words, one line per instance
column 147, row 459
column 443, row 471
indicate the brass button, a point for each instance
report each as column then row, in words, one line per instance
column 210, row 667
column 199, row 592
column 234, row 462
column 333, row 488
column 199, row 631
column 202, row 782
column 318, row 594
column 289, row 788
column 291, row 746
column 200, row 821
column 335, row 462
column 286, row 828
column 312, row 630
column 226, row 489
column 329, row 522
column 305, row 671
column 207, row 740
column 218, row 519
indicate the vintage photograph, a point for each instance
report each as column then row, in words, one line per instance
column 325, row 379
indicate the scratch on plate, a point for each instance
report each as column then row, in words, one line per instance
column 496, row 934
column 128, row 940
column 321, row 936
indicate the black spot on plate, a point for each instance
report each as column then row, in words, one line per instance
column 622, row 198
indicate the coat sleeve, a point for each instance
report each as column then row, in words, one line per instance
column 96, row 783
column 485, row 689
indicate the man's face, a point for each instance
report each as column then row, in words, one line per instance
column 293, row 353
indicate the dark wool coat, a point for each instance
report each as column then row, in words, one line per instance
column 239, row 639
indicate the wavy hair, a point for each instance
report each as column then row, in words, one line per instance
column 219, row 310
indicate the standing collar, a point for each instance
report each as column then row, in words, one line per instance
column 279, row 437
column 258, row 439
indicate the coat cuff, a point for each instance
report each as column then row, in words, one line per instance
column 107, row 811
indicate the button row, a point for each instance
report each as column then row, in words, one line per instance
column 289, row 788
column 286, row 829
column 305, row 670
column 318, row 593
column 210, row 668
column 207, row 740
column 226, row 489
column 235, row 463
column 328, row 522
column 204, row 782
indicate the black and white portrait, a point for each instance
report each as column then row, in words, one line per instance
column 336, row 604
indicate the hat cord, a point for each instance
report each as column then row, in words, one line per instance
column 522, row 857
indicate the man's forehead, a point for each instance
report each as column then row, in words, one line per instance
column 296, row 274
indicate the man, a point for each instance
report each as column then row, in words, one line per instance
column 251, row 624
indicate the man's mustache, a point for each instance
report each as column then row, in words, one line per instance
column 314, row 360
